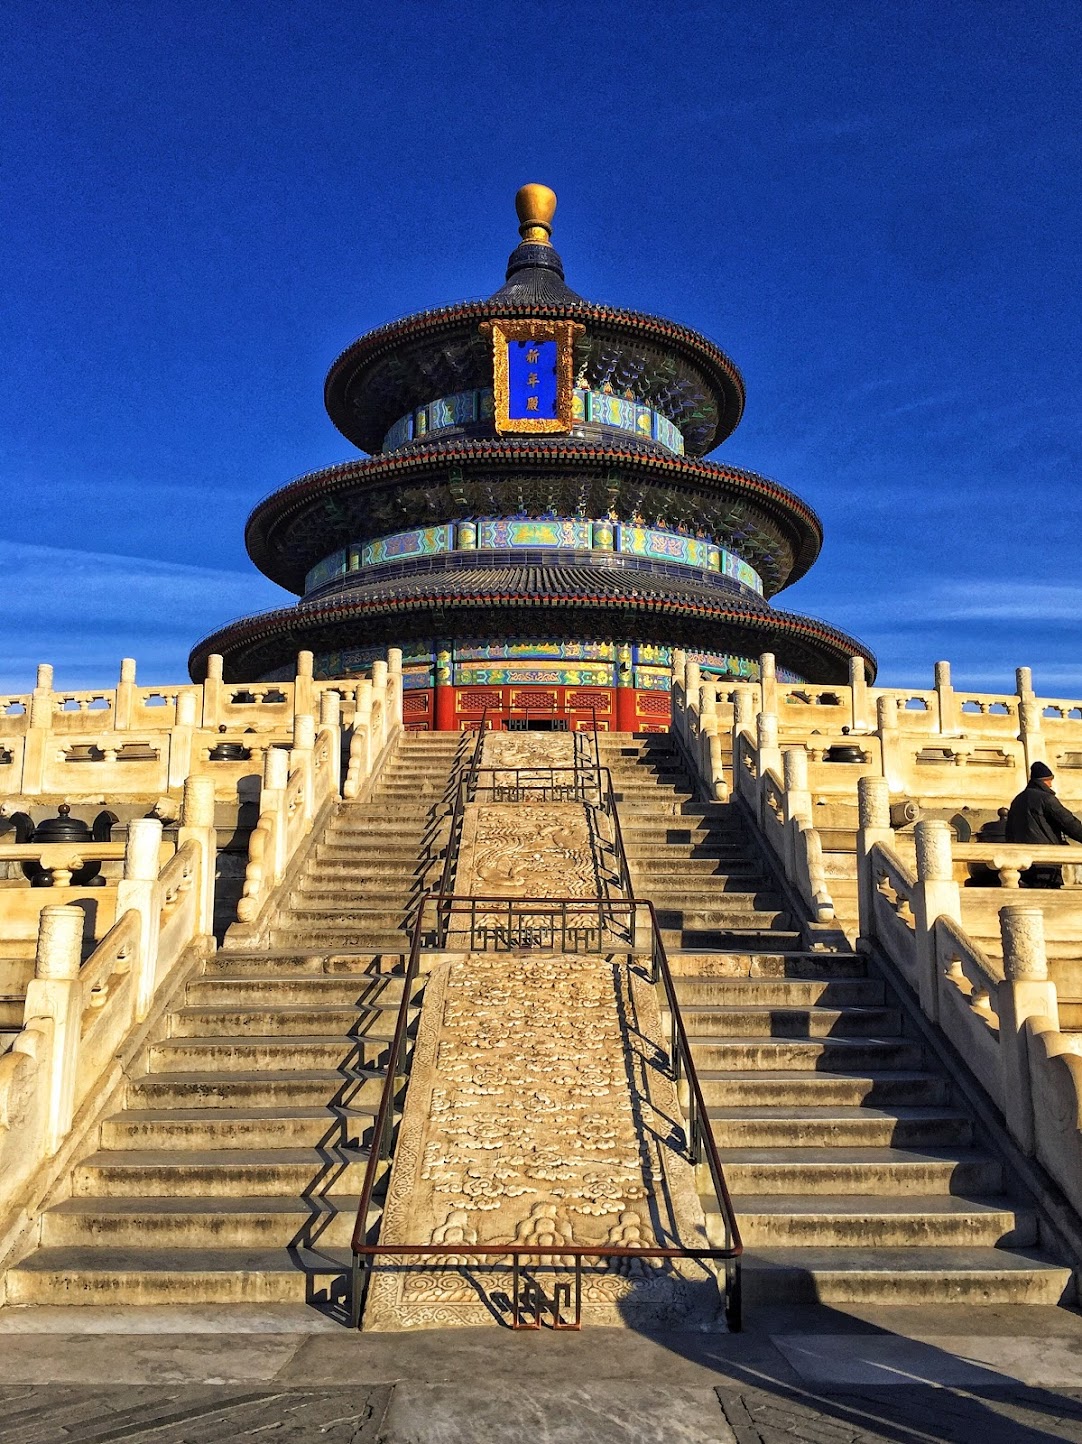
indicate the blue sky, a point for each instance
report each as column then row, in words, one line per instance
column 874, row 208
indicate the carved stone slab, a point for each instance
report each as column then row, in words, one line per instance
column 538, row 1112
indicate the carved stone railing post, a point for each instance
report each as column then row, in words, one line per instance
column 858, row 687
column 1026, row 992
column 181, row 737
column 768, row 683
column 304, row 692
column 361, row 750
column 300, row 759
column 678, row 693
column 873, row 810
column 330, row 720
column 948, row 708
column 1023, row 684
column 744, row 710
column 212, row 691
column 797, row 801
column 890, row 741
column 124, row 702
column 138, row 890
column 1029, row 728
column 197, row 822
column 394, row 672
column 766, row 733
column 53, row 994
column 39, row 734
column 936, row 896
column 708, row 704
column 692, row 692
column 272, row 810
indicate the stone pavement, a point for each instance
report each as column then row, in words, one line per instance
column 285, row 1375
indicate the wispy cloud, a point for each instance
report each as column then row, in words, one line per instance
column 82, row 610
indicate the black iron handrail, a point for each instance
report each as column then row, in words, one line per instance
column 700, row 1140
column 546, row 783
column 463, row 794
column 383, row 1130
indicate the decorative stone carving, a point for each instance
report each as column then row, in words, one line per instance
column 537, row 1113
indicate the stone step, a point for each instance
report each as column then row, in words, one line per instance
column 735, row 898
column 779, row 992
column 175, row 1276
column 319, row 991
column 391, row 853
column 243, row 1055
column 737, row 910
column 205, row 1224
column 291, row 1088
column 827, row 1055
column 830, row 1127
column 324, row 892
column 713, row 857
column 399, row 819
column 393, row 838
column 709, row 1022
column 695, row 965
column 745, row 936
column 823, row 1090
column 294, row 962
column 285, row 1021
column 389, row 841
column 200, row 1129
column 666, row 865
column 339, row 901
column 383, row 938
column 353, row 874
column 905, row 1276
column 935, row 1221
column 324, row 923
column 235, row 1173
column 688, row 832
column 905, row 1172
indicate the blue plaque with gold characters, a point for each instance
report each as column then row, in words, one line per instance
column 531, row 379
column 533, row 375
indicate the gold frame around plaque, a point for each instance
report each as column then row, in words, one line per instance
column 563, row 333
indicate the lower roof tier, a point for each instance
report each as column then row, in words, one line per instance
column 588, row 602
column 295, row 528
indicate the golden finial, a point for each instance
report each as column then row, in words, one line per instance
column 536, row 205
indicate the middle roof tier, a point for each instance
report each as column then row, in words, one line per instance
column 768, row 527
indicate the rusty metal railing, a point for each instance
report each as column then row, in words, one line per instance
column 553, row 923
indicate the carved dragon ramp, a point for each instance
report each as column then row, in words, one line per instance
column 539, row 1111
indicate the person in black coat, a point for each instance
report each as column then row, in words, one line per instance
column 1037, row 815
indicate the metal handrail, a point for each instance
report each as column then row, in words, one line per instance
column 541, row 779
column 384, row 1125
column 700, row 1140
column 463, row 794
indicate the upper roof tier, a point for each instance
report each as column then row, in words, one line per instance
column 393, row 370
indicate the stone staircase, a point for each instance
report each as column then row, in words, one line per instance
column 857, row 1173
column 232, row 1171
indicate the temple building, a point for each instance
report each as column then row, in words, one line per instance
column 535, row 523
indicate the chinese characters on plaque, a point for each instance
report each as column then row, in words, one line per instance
column 533, row 375
column 531, row 380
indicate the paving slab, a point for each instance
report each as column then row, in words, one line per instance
column 145, row 1358
column 437, row 1356
column 348, row 1415
column 977, row 1362
column 915, row 1415
column 166, row 1319
column 580, row 1414
column 991, row 1375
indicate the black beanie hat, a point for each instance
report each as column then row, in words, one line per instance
column 1039, row 771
